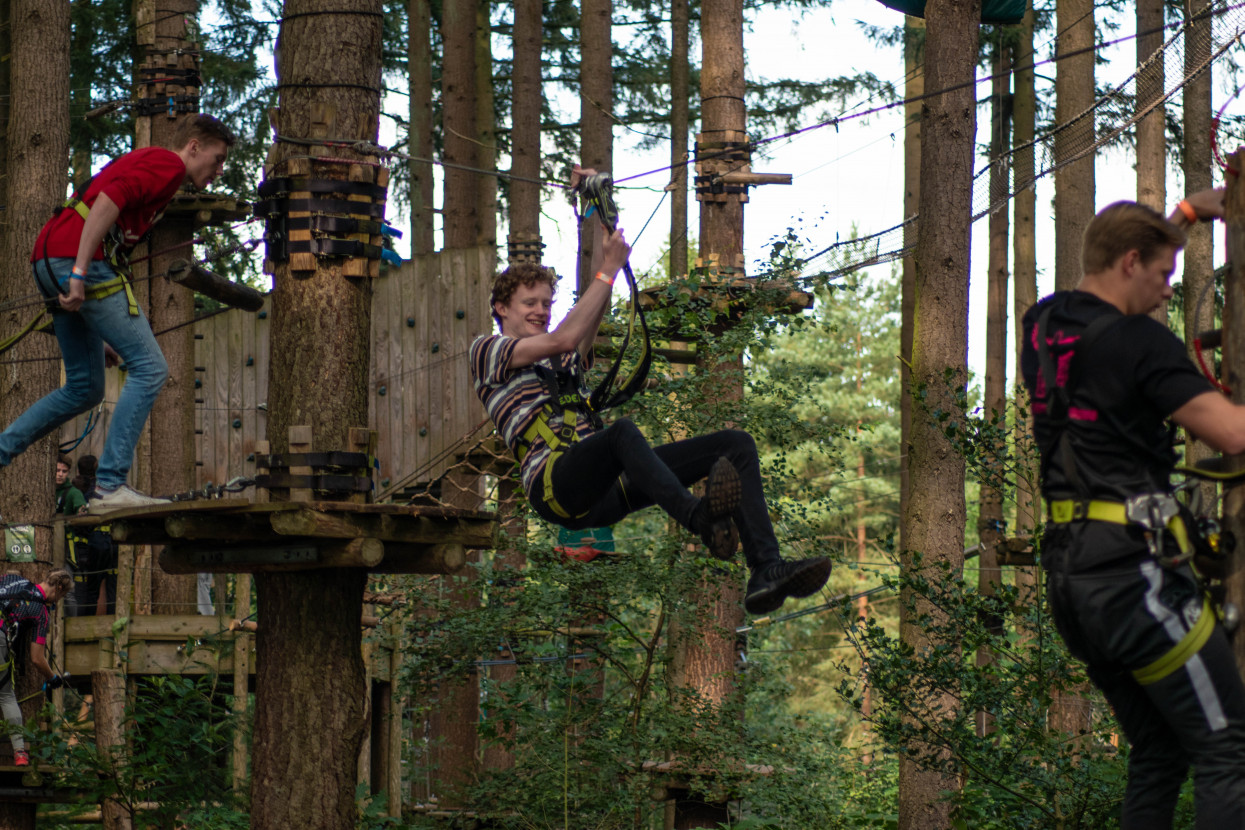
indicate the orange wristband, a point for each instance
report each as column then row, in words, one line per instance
column 607, row 280
column 1188, row 211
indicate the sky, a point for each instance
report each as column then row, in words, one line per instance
column 844, row 178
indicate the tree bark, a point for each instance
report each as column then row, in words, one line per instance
column 461, row 199
column 990, row 524
column 1151, row 130
column 419, row 134
column 1024, row 270
column 914, row 88
column 486, row 130
column 596, row 103
column 1074, row 94
column 1234, row 378
column 37, row 142
column 679, row 122
column 525, row 135
column 171, row 448
column 933, row 521
column 1199, row 266
column 310, row 681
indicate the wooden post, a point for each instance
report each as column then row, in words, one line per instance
column 397, row 704
column 1234, row 378
column 300, row 441
column 108, row 688
column 125, row 598
column 241, row 680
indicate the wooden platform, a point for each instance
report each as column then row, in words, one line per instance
column 238, row 536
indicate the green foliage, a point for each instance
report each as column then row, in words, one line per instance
column 175, row 760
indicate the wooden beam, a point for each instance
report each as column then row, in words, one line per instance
column 422, row 559
column 228, row 527
column 294, row 555
column 751, row 179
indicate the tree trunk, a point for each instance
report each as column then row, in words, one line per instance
column 1074, row 208
column 1074, row 94
column 310, row 688
column 525, row 135
column 461, row 200
column 933, row 522
column 171, row 448
column 679, row 123
column 486, row 129
column 419, row 133
column 914, row 72
column 1234, row 377
column 1151, row 130
column 596, row 103
column 990, row 524
column 1024, row 270
column 1199, row 267
column 37, row 142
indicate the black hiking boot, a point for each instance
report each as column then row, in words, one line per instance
column 769, row 586
column 712, row 519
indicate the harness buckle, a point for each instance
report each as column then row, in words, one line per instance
column 1153, row 511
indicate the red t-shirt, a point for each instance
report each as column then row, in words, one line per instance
column 141, row 183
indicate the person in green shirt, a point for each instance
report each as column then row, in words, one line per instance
column 69, row 499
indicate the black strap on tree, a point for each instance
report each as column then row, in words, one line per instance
column 1059, row 398
column 598, row 191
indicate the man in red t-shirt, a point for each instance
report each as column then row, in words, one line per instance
column 76, row 262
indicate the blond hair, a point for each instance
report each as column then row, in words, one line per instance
column 1127, row 226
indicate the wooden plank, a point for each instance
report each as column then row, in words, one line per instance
column 89, row 521
column 378, row 367
column 424, row 284
column 263, row 366
column 220, row 373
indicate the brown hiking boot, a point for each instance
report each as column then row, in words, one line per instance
column 712, row 519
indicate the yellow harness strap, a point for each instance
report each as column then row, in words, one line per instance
column 1189, row 645
column 1069, row 510
column 539, row 428
column 120, row 282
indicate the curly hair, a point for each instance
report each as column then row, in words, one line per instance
column 60, row 579
column 522, row 273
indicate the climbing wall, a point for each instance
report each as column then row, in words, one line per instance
column 425, row 315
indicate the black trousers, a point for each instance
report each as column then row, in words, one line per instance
column 1123, row 615
column 615, row 472
column 96, row 570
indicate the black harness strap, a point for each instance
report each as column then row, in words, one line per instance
column 1059, row 397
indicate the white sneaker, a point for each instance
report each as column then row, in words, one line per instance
column 123, row 498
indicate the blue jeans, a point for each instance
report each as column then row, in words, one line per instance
column 81, row 336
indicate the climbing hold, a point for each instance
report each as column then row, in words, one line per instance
column 382, row 390
column 250, row 456
column 460, row 314
column 263, row 315
column 250, row 361
column 384, row 482
column 237, row 423
column 423, row 431
column 198, row 383
column 410, row 322
column 436, row 347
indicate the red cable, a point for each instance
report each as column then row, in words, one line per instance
column 1201, row 361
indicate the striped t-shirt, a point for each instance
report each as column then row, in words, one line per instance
column 513, row 397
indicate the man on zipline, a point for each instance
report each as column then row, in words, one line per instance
column 79, row 262
column 1105, row 378
column 579, row 474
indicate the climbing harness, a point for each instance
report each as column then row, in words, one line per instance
column 565, row 402
column 1157, row 514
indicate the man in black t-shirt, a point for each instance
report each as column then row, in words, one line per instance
column 1105, row 381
